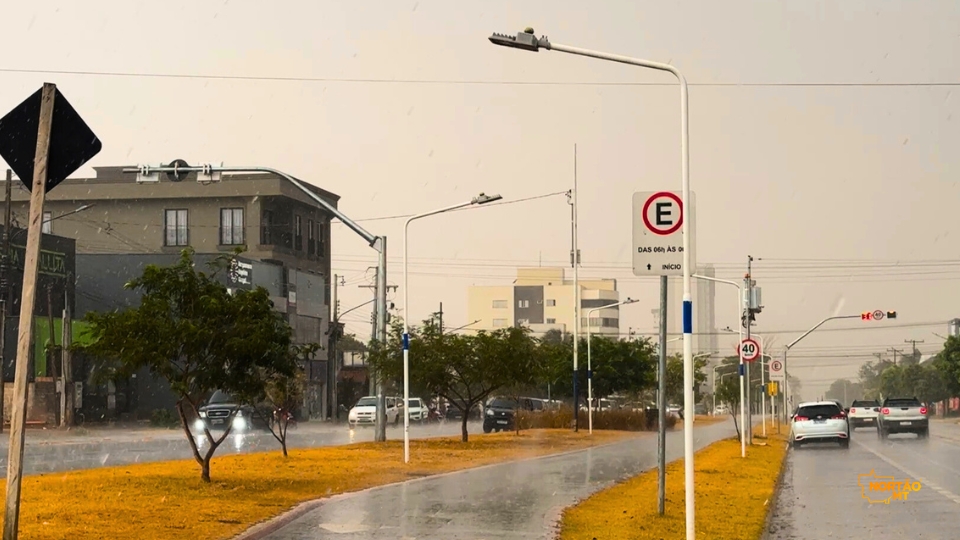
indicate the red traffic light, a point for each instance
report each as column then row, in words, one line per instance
column 866, row 316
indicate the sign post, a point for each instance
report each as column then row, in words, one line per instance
column 63, row 143
column 658, row 218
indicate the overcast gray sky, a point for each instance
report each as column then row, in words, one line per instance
column 823, row 137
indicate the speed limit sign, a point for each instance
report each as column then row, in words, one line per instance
column 749, row 350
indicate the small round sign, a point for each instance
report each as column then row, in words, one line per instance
column 749, row 350
column 663, row 213
column 878, row 315
column 776, row 365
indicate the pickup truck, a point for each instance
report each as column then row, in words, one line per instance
column 902, row 415
column 863, row 413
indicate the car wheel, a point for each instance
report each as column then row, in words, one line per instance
column 845, row 443
column 487, row 429
column 923, row 433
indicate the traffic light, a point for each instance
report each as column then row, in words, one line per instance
column 866, row 316
column 891, row 314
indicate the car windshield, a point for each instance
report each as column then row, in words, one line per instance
column 367, row 402
column 219, row 397
column 414, row 403
column 501, row 403
column 865, row 403
column 818, row 411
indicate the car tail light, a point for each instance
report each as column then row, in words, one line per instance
column 852, row 410
column 923, row 410
column 885, row 411
column 840, row 416
column 800, row 418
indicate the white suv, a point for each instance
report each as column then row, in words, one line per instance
column 863, row 413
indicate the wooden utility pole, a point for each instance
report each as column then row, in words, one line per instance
column 894, row 351
column 5, row 276
column 28, row 299
column 66, row 370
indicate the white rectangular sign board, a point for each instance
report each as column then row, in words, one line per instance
column 776, row 370
column 657, row 238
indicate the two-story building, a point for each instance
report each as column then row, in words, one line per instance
column 121, row 225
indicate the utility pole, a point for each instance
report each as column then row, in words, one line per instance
column 575, row 262
column 441, row 320
column 66, row 370
column 913, row 343
column 748, row 286
column 333, row 362
column 894, row 351
column 5, row 285
column 379, row 332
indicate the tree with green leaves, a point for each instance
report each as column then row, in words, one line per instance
column 948, row 362
column 464, row 370
column 675, row 378
column 192, row 332
column 625, row 367
column 844, row 391
column 283, row 394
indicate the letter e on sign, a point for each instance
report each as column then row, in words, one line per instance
column 663, row 213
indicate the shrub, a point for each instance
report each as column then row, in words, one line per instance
column 618, row 419
column 164, row 418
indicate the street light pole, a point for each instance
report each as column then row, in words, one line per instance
column 786, row 376
column 526, row 40
column 479, row 199
column 739, row 286
column 590, row 364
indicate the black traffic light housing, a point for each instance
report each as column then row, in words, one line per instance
column 891, row 314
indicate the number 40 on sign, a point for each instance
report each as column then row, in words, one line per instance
column 749, row 350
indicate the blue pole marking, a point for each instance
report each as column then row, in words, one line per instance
column 740, row 368
column 590, row 374
column 406, row 342
column 687, row 317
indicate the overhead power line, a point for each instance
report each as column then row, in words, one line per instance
column 471, row 82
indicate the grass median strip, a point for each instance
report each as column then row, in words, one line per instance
column 731, row 498
column 168, row 500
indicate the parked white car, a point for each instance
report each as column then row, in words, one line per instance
column 819, row 421
column 364, row 412
column 418, row 411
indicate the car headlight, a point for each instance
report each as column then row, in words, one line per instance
column 239, row 423
column 240, row 414
column 489, row 412
column 203, row 414
column 198, row 425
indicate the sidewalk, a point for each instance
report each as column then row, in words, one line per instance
column 522, row 499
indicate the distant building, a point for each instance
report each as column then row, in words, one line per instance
column 125, row 226
column 704, row 312
column 543, row 299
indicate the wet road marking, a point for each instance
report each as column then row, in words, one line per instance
column 926, row 483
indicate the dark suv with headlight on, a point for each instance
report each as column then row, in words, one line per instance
column 217, row 411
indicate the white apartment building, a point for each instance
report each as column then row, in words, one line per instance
column 705, row 337
column 542, row 299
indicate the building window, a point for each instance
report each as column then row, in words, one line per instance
column 499, row 323
column 266, row 231
column 523, row 303
column 321, row 241
column 175, row 228
column 551, row 321
column 47, row 225
column 231, row 226
column 499, row 304
column 311, row 242
column 551, row 303
column 297, row 233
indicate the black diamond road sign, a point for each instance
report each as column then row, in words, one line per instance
column 72, row 142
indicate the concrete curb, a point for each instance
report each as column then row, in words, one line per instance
column 272, row 525
column 771, row 507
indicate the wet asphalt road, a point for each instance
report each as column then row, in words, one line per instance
column 511, row 500
column 820, row 496
column 51, row 452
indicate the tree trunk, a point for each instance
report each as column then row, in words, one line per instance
column 463, row 426
column 205, row 468
column 735, row 423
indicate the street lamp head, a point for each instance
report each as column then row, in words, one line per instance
column 484, row 199
column 630, row 301
column 525, row 40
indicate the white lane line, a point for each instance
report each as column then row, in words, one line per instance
column 923, row 481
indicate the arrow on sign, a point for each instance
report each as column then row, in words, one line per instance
column 648, row 267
